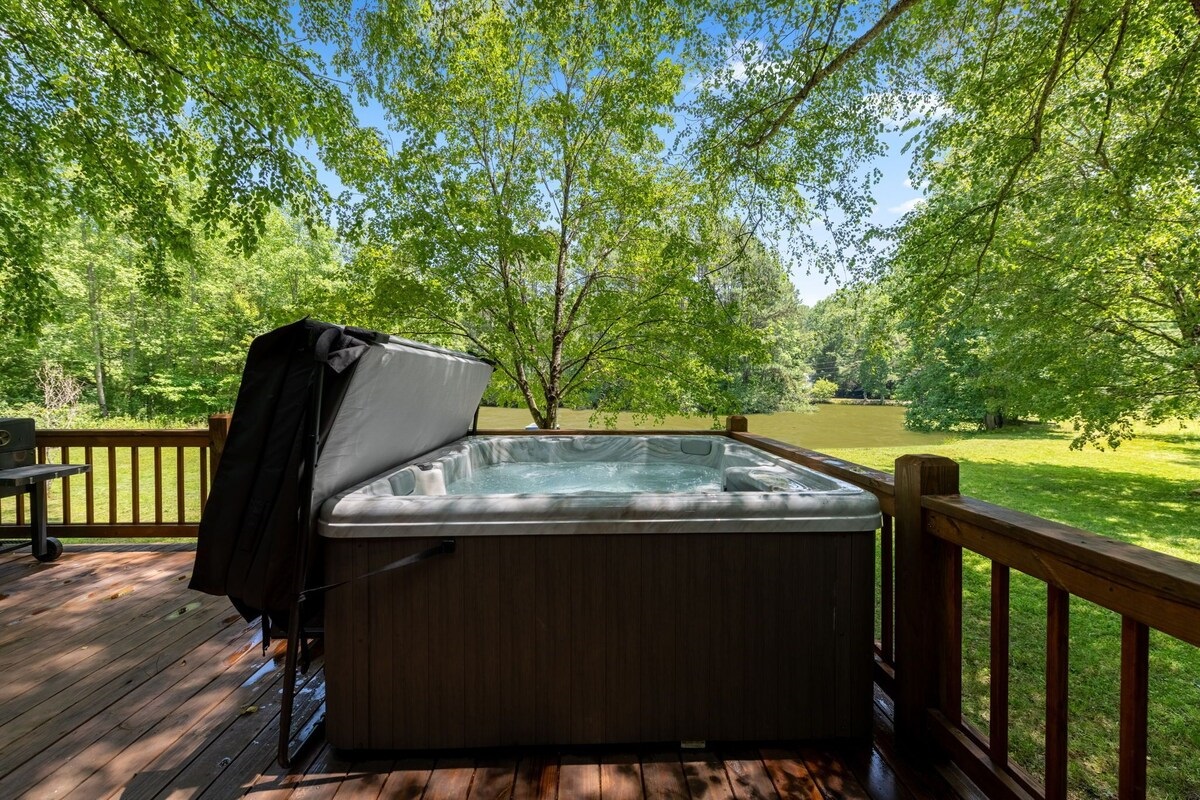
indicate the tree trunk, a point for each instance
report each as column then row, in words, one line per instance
column 558, row 331
column 97, row 330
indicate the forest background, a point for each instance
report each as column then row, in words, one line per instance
column 607, row 198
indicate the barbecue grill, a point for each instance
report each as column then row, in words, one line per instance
column 21, row 474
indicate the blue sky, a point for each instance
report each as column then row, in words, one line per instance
column 894, row 196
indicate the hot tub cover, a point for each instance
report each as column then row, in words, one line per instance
column 384, row 400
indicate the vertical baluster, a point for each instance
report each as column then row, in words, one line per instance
column 1058, row 615
column 180, row 507
column 158, row 485
column 887, row 592
column 950, row 589
column 41, row 459
column 66, row 486
column 1135, row 674
column 112, row 485
column 998, row 723
column 135, row 483
column 89, row 486
column 203, row 477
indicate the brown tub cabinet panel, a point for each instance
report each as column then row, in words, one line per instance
column 557, row 639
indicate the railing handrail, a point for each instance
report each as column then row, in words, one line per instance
column 114, row 508
column 1138, row 568
column 117, row 437
column 1098, row 568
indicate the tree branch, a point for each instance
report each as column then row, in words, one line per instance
column 1035, row 133
column 840, row 60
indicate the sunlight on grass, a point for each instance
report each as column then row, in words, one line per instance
column 1138, row 493
column 104, row 509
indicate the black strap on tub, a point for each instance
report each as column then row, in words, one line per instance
column 446, row 547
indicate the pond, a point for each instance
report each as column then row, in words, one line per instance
column 827, row 427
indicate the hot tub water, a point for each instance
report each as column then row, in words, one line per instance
column 588, row 477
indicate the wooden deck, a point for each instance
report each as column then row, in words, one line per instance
column 120, row 682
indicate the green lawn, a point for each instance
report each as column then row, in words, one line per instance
column 122, row 502
column 1139, row 493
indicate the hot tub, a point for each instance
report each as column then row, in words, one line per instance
column 604, row 589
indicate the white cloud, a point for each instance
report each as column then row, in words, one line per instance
column 907, row 205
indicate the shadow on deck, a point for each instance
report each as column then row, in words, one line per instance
column 120, row 682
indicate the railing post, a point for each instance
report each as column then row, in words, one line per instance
column 218, row 432
column 736, row 424
column 927, row 571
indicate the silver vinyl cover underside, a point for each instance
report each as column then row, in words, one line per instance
column 404, row 399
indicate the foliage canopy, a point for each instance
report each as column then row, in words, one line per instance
column 1058, row 255
column 113, row 110
column 580, row 191
column 533, row 210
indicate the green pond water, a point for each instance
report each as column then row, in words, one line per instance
column 827, row 427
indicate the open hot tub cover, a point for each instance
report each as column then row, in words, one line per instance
column 384, row 400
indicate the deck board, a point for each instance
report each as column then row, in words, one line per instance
column 122, row 683
column 494, row 779
column 748, row 776
column 790, row 774
column 706, row 776
column 621, row 777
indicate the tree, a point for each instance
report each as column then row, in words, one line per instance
column 1063, row 208
column 178, row 356
column 1057, row 145
column 957, row 380
column 792, row 108
column 757, row 287
column 854, row 343
column 110, row 110
column 532, row 211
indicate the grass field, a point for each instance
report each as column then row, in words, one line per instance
column 1139, row 493
column 119, row 507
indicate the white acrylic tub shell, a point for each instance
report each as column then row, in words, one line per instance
column 760, row 493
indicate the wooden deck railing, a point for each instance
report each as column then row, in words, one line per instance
column 143, row 483
column 919, row 654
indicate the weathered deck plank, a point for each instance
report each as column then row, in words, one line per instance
column 706, row 776
column 621, row 777
column 748, row 776
column 127, row 690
